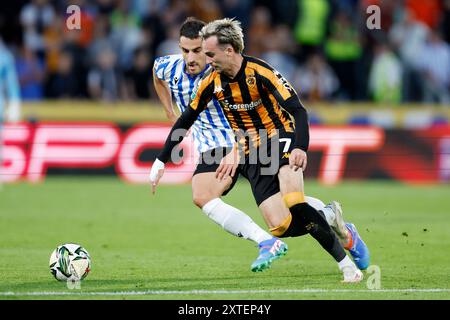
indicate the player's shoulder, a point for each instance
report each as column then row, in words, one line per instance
column 206, row 82
column 208, row 76
column 166, row 61
column 257, row 64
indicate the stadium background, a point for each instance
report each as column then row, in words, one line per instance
column 81, row 88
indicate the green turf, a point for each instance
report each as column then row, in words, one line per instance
column 140, row 242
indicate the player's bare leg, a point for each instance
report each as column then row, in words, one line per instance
column 305, row 219
column 206, row 192
column 274, row 211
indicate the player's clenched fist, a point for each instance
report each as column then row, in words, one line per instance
column 297, row 159
column 156, row 173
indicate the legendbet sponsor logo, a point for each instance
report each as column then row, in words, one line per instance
column 242, row 106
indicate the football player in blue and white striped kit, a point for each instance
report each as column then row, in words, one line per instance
column 9, row 92
column 176, row 77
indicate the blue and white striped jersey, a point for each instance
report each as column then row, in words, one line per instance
column 211, row 130
column 9, row 86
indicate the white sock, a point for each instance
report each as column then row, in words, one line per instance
column 234, row 221
column 319, row 205
column 346, row 262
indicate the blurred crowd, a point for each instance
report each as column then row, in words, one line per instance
column 323, row 47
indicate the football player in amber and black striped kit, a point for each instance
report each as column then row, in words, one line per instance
column 255, row 98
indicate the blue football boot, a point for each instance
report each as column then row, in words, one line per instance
column 269, row 250
column 358, row 250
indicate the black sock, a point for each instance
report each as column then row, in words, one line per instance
column 306, row 219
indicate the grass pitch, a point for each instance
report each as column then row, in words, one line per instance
column 163, row 247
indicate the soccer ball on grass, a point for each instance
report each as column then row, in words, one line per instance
column 70, row 262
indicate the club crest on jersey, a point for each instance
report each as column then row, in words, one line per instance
column 251, row 81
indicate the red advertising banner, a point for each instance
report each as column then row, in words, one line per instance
column 30, row 152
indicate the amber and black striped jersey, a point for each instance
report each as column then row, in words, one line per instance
column 257, row 98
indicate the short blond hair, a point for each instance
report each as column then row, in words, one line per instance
column 227, row 31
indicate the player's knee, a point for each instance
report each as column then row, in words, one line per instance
column 293, row 198
column 280, row 230
column 201, row 199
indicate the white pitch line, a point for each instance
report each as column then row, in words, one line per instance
column 200, row 292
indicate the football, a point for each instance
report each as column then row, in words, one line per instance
column 70, row 262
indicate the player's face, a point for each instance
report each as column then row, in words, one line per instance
column 193, row 54
column 216, row 55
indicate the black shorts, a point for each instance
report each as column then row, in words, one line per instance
column 261, row 169
column 209, row 161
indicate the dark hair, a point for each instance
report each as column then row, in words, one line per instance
column 191, row 28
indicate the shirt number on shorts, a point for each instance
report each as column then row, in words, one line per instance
column 287, row 144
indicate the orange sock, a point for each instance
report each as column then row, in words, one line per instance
column 349, row 241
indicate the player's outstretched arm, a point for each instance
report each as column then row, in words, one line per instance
column 156, row 174
column 184, row 122
column 163, row 92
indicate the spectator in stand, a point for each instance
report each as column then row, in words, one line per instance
column 53, row 41
column 343, row 49
column 80, row 63
column 408, row 37
column 258, row 39
column 126, row 33
column 153, row 30
column 31, row 73
column 62, row 83
column 138, row 79
column 316, row 80
column 103, row 82
column 279, row 51
column 385, row 78
column 435, row 67
column 171, row 43
column 35, row 17
column 102, row 39
column 311, row 25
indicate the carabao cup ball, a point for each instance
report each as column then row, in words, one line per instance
column 70, row 262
